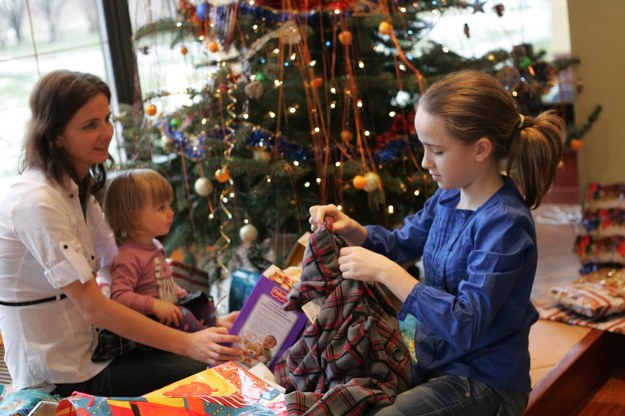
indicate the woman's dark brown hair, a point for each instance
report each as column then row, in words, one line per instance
column 473, row 105
column 55, row 99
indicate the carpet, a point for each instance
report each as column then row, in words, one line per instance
column 5, row 378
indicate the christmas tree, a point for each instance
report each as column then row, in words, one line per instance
column 309, row 102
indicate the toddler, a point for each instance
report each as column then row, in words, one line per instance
column 137, row 206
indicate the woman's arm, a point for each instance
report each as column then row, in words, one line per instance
column 205, row 345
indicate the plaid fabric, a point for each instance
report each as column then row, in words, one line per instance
column 352, row 357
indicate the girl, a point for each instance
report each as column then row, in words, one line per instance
column 53, row 241
column 477, row 240
column 136, row 206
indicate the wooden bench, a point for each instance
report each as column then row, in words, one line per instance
column 589, row 379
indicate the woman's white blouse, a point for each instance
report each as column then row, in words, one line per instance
column 45, row 244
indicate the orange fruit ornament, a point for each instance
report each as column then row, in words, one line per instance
column 359, row 182
column 346, row 136
column 576, row 144
column 316, row 82
column 213, row 46
column 222, row 175
column 385, row 28
column 345, row 37
column 150, row 110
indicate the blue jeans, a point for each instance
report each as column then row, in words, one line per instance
column 135, row 373
column 454, row 396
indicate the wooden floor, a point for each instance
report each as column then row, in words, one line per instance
column 557, row 264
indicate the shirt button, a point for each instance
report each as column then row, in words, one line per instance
column 398, row 354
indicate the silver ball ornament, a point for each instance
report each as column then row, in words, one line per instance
column 203, row 186
column 248, row 233
column 372, row 181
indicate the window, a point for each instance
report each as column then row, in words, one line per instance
column 36, row 37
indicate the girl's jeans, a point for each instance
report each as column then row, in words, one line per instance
column 453, row 395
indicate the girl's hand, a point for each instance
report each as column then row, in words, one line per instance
column 319, row 213
column 342, row 224
column 226, row 321
column 207, row 346
column 167, row 313
column 358, row 263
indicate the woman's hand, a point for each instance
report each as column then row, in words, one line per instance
column 166, row 312
column 226, row 321
column 208, row 346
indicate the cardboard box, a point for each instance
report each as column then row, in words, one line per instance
column 296, row 255
column 266, row 329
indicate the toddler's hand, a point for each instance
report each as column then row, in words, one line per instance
column 167, row 313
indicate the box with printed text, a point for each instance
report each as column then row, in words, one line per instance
column 265, row 328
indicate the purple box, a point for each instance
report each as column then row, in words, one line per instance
column 266, row 330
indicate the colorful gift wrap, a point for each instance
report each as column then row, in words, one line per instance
column 227, row 389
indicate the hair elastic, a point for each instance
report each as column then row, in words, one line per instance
column 521, row 120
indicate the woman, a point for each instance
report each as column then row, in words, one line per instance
column 53, row 241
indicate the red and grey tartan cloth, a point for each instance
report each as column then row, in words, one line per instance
column 351, row 358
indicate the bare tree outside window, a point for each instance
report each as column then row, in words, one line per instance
column 91, row 12
column 51, row 11
column 13, row 12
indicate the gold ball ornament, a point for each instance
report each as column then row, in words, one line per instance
column 254, row 89
column 346, row 136
column 248, row 233
column 359, row 182
column 213, row 46
column 345, row 37
column 203, row 186
column 372, row 182
column 222, row 175
column 151, row 110
column 385, row 28
column 262, row 155
column 184, row 50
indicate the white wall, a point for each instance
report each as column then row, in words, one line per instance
column 597, row 32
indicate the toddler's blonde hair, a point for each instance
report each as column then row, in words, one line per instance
column 130, row 191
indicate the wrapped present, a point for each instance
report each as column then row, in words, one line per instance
column 594, row 295
column 23, row 402
column 225, row 389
